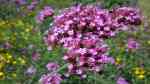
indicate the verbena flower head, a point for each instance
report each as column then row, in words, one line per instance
column 82, row 29
column 54, row 78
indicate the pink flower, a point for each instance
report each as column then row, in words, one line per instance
column 32, row 5
column 7, row 45
column 35, row 56
column 106, row 59
column 40, row 17
column 132, row 44
column 54, row 78
column 31, row 70
column 48, row 11
column 21, row 2
column 43, row 14
column 121, row 80
column 52, row 66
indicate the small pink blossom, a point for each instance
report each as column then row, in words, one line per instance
column 35, row 56
column 132, row 44
column 52, row 66
column 31, row 70
column 121, row 80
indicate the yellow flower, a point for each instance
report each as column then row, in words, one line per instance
column 14, row 75
column 14, row 62
column 141, row 76
column 2, row 75
column 8, row 56
column 148, row 42
column 118, row 61
column 27, row 30
column 138, row 71
column 22, row 61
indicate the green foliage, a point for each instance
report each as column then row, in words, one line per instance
column 84, row 1
column 112, row 3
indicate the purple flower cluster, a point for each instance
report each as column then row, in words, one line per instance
column 31, row 71
column 82, row 31
column 52, row 66
column 46, row 12
column 127, row 16
column 20, row 2
column 50, row 79
column 32, row 5
column 35, row 55
column 88, row 56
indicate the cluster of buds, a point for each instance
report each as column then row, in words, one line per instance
column 82, row 31
column 43, row 14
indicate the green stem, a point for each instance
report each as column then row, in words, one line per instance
column 61, row 68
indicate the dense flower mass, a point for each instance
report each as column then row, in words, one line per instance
column 89, row 56
column 82, row 31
